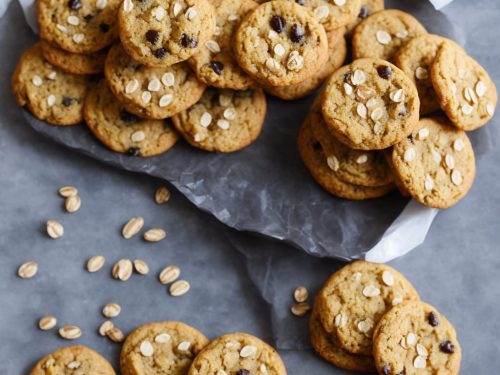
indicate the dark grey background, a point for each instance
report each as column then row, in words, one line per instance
column 457, row 269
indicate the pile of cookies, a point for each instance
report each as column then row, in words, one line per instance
column 397, row 115
column 368, row 317
column 171, row 348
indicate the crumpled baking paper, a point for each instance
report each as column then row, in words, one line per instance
column 266, row 189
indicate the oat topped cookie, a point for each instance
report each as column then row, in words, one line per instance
column 280, row 43
column 368, row 7
column 333, row 13
column 159, row 33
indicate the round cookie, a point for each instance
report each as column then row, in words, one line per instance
column 368, row 7
column 153, row 93
column 328, row 346
column 78, row 26
column 337, row 52
column 49, row 94
column 436, row 163
column 354, row 299
column 414, row 338
column 365, row 168
column 315, row 160
column 160, row 33
column 75, row 63
column 416, row 58
column 223, row 120
column 71, row 360
column 280, row 43
column 120, row 130
column 333, row 14
column 465, row 90
column 383, row 33
column 370, row 104
column 161, row 348
column 214, row 63
column 238, row 353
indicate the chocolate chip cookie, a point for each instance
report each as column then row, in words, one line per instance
column 370, row 104
column 368, row 7
column 333, row 14
column 414, row 338
column 78, row 26
column 337, row 52
column 50, row 94
column 416, row 58
column 323, row 172
column 238, row 353
column 153, row 93
column 223, row 120
column 436, row 163
column 465, row 90
column 160, row 33
column 122, row 131
column 73, row 360
column 75, row 63
column 161, row 348
column 281, row 43
column 215, row 64
column 383, row 33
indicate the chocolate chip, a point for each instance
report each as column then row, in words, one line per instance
column 67, row 101
column 160, row 53
column 297, row 33
column 127, row 116
column 75, row 4
column 243, row 372
column 134, row 151
column 447, row 347
column 88, row 17
column 278, row 23
column 300, row 2
column 386, row 370
column 217, row 67
column 364, row 12
column 152, row 36
column 317, row 146
column 104, row 27
column 188, row 42
column 433, row 319
column 410, row 138
column 384, row 71
column 346, row 77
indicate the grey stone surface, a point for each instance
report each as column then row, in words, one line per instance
column 456, row 269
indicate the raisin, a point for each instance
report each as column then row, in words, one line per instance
column 278, row 23
column 104, row 27
column 75, row 4
column 67, row 101
column 297, row 33
column 152, row 36
column 217, row 67
column 160, row 53
column 188, row 42
column 364, row 12
column 384, row 71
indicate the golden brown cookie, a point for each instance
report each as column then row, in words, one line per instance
column 436, row 164
column 238, row 353
column 465, row 90
column 414, row 338
column 333, row 14
column 122, row 131
column 368, row 7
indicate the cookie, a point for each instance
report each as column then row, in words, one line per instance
column 368, row 7
column 414, row 338
column 153, row 93
column 75, row 63
column 327, row 345
column 160, row 33
column 122, row 131
column 223, row 120
column 383, row 33
column 365, row 168
column 416, row 58
column 333, row 14
column 465, row 90
column 316, row 161
column 73, row 360
column 280, row 43
column 49, row 94
column 214, row 63
column 78, row 26
column 436, row 163
column 238, row 353
column 354, row 299
column 370, row 104
column 337, row 52
column 161, row 348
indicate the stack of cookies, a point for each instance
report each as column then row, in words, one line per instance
column 368, row 317
column 397, row 115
